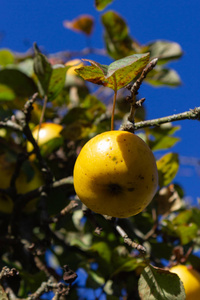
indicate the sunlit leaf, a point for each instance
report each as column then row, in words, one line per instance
column 6, row 57
column 103, row 250
column 165, row 143
column 116, row 36
column 120, row 72
column 101, row 4
column 162, row 138
column 20, row 83
column 187, row 232
column 83, row 23
column 196, row 216
column 160, row 284
column 26, row 66
column 6, row 93
column 129, row 264
column 164, row 50
column 163, row 77
column 183, row 217
column 167, row 166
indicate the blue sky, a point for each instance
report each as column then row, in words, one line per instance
column 24, row 22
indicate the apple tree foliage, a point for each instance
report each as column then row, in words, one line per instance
column 62, row 249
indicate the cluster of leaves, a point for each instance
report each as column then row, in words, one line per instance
column 39, row 244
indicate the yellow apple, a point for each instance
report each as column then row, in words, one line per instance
column 190, row 279
column 115, row 174
column 47, row 132
column 74, row 63
column 23, row 185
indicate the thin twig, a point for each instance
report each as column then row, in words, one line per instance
column 42, row 116
column 6, row 272
column 73, row 204
column 89, row 214
column 63, row 55
column 134, row 90
column 192, row 114
column 11, row 125
column 129, row 242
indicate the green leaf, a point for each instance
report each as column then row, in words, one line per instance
column 129, row 264
column 101, row 4
column 187, row 232
column 26, row 66
column 103, row 250
column 118, row 42
column 94, row 279
column 160, row 284
column 42, row 69
column 164, row 50
column 51, row 78
column 120, row 72
column 165, row 143
column 50, row 146
column 57, row 81
column 162, row 137
column 196, row 216
column 6, row 93
column 163, row 77
column 183, row 217
column 6, row 57
column 18, row 82
column 167, row 166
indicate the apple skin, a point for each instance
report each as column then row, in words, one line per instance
column 190, row 279
column 115, row 174
column 23, row 185
column 74, row 63
column 47, row 132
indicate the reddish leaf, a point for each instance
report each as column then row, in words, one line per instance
column 120, row 72
column 83, row 23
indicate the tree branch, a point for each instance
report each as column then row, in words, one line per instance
column 128, row 241
column 193, row 114
column 134, row 90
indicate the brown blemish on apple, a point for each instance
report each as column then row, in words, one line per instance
column 115, row 188
column 131, row 189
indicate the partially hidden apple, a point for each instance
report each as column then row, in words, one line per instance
column 43, row 134
column 115, row 174
column 190, row 279
column 23, row 185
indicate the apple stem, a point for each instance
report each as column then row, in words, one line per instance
column 114, row 102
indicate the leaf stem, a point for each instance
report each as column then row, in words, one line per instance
column 114, row 102
column 42, row 115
